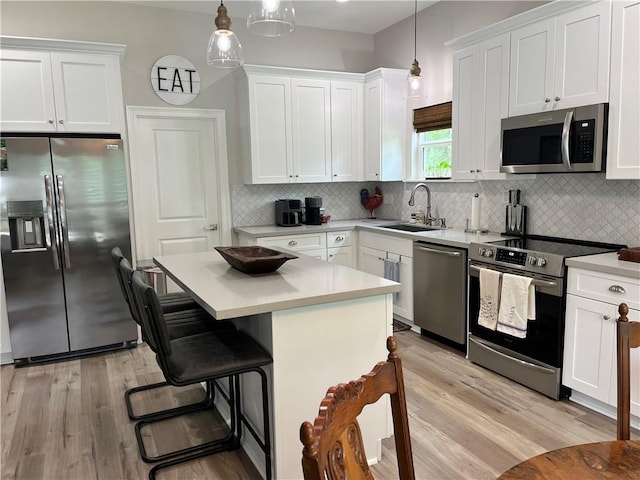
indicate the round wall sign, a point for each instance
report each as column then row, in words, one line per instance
column 175, row 80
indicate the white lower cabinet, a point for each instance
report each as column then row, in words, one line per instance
column 373, row 250
column 589, row 355
column 334, row 247
column 311, row 244
column 340, row 248
column 590, row 334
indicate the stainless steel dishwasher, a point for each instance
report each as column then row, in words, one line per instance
column 440, row 290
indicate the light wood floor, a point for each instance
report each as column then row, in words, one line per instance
column 67, row 420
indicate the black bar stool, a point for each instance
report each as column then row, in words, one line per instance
column 205, row 357
column 184, row 317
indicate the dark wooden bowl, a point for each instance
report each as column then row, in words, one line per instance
column 254, row 259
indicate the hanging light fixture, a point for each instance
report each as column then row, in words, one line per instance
column 415, row 85
column 224, row 48
column 271, row 18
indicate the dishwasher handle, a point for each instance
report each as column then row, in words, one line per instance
column 435, row 250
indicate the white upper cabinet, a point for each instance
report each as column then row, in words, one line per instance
column 480, row 101
column 386, row 122
column 347, row 134
column 270, row 124
column 48, row 90
column 304, row 128
column 311, row 129
column 561, row 62
column 623, row 156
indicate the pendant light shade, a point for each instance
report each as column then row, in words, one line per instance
column 224, row 48
column 271, row 18
column 415, row 85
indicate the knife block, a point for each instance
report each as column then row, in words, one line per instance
column 515, row 221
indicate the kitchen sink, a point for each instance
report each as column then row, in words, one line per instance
column 412, row 227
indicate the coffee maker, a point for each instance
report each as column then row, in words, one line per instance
column 288, row 212
column 312, row 206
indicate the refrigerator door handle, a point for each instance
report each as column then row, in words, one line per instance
column 50, row 234
column 63, row 221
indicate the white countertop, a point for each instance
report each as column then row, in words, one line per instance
column 449, row 236
column 606, row 263
column 227, row 293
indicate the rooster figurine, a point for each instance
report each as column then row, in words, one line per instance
column 371, row 202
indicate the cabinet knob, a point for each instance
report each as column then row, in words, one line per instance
column 61, row 122
column 51, row 121
column 547, row 100
column 557, row 99
column 293, row 242
column 339, row 238
column 297, row 176
column 606, row 317
column 290, row 176
column 335, row 174
column 472, row 171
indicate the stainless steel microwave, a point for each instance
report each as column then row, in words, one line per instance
column 571, row 140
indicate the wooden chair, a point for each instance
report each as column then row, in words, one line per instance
column 333, row 444
column 628, row 334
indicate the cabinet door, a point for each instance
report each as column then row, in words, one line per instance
column 311, row 128
column 403, row 301
column 87, row 90
column 492, row 104
column 373, row 130
column 270, row 125
column 589, row 346
column 464, row 154
column 371, row 261
column 340, row 256
column 634, row 316
column 26, row 92
column 623, row 155
column 531, row 68
column 582, row 56
column 347, row 139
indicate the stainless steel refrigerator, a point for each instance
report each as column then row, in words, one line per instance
column 63, row 207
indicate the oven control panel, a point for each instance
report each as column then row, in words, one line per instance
column 510, row 256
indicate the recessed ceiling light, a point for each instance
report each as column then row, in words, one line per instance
column 342, row 1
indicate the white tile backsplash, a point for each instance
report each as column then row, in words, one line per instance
column 583, row 206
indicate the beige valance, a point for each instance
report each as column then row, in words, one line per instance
column 434, row 117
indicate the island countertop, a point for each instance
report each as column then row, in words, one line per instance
column 228, row 293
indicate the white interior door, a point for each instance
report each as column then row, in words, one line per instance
column 179, row 180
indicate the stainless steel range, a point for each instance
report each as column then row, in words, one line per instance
column 536, row 360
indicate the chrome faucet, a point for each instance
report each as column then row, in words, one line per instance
column 428, row 219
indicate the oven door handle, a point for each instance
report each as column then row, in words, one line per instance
column 512, row 359
column 535, row 281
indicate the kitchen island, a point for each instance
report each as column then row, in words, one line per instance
column 322, row 323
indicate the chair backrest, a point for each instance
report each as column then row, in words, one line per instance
column 151, row 318
column 333, row 444
column 116, row 257
column 628, row 337
column 126, row 273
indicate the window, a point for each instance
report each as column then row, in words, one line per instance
column 433, row 141
column 434, row 153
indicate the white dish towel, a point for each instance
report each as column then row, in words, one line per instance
column 517, row 304
column 489, row 298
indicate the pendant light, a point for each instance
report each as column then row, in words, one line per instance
column 415, row 85
column 224, row 48
column 271, row 18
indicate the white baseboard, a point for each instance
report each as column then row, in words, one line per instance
column 600, row 407
column 6, row 358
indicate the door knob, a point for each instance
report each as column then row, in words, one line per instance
column 213, row 226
